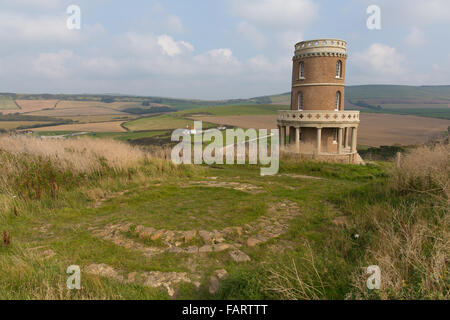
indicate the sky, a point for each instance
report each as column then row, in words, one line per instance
column 215, row 49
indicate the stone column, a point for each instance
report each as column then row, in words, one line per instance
column 319, row 140
column 279, row 135
column 339, row 149
column 283, row 136
column 346, row 138
column 297, row 138
column 288, row 135
column 354, row 135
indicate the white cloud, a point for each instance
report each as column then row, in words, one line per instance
column 172, row 47
column 53, row 65
column 415, row 38
column 174, row 24
column 35, row 28
column 381, row 59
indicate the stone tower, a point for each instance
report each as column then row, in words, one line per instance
column 317, row 125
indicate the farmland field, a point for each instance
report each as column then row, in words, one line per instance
column 112, row 126
column 8, row 125
column 375, row 129
column 158, row 123
column 90, row 104
column 6, row 103
column 68, row 112
column 34, row 105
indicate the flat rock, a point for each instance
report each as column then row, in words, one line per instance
column 157, row 235
column 213, row 285
column 239, row 256
column 205, row 235
column 206, row 248
column 189, row 235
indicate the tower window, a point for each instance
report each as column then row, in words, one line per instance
column 300, row 101
column 339, row 69
column 301, row 70
column 337, row 105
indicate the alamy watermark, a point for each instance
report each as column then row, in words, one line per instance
column 209, row 147
column 374, row 19
column 374, row 279
column 74, row 20
column 74, row 279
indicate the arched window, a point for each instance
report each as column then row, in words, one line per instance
column 339, row 69
column 300, row 101
column 337, row 105
column 301, row 70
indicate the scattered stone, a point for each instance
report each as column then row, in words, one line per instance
column 205, row 235
column 251, row 242
column 239, row 256
column 206, row 248
column 189, row 235
column 169, row 236
column 103, row 270
column 221, row 247
column 221, row 273
column 157, row 235
column 146, row 233
column 175, row 250
column 192, row 250
column 165, row 279
column 213, row 285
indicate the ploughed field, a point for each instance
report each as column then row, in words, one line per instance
column 374, row 130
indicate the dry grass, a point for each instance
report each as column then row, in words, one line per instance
column 411, row 242
column 412, row 252
column 425, row 170
column 79, row 155
column 291, row 283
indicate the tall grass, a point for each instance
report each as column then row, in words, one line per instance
column 403, row 227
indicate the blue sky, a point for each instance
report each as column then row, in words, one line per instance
column 213, row 49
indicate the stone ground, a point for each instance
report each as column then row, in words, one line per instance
column 193, row 245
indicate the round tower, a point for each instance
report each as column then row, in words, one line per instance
column 317, row 124
column 318, row 76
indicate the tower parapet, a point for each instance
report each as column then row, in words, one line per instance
column 321, row 47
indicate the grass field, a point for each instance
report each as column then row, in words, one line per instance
column 6, row 103
column 142, row 228
column 8, row 125
column 158, row 123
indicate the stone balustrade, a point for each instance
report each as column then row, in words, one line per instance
column 317, row 117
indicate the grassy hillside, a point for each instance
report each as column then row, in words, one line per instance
column 140, row 227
